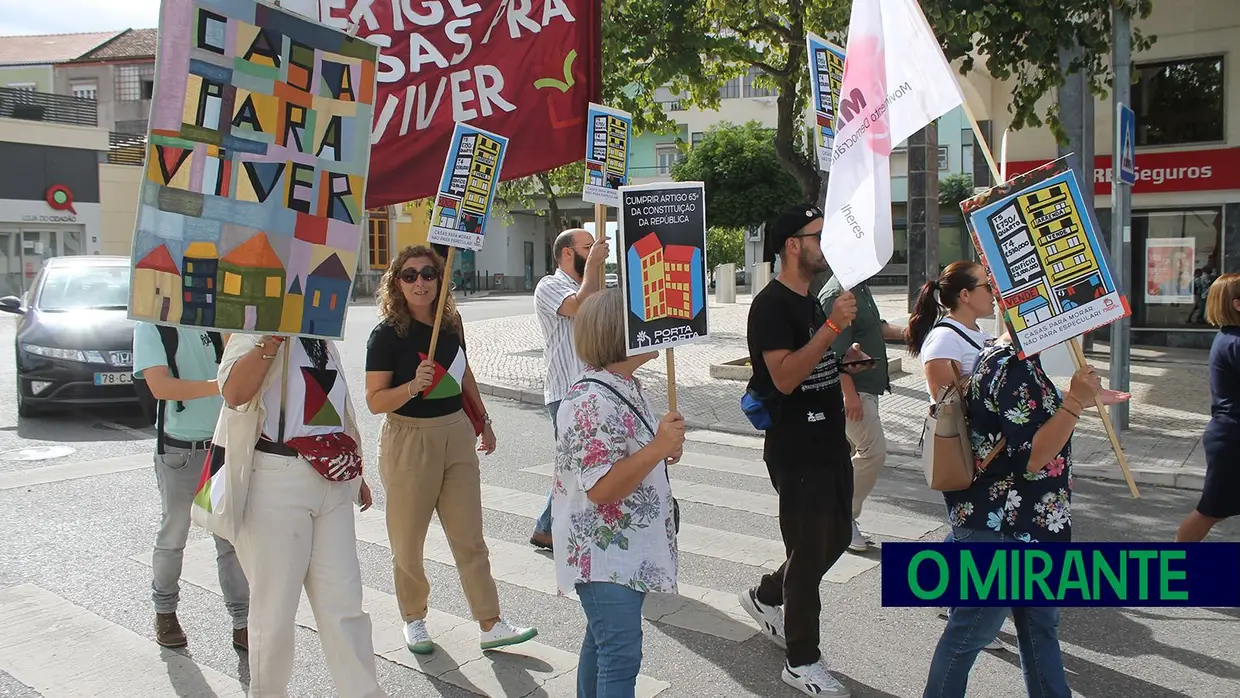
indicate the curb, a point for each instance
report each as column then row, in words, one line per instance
column 904, row 457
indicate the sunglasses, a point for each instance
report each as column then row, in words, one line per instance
column 411, row 275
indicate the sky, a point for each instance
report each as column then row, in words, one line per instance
column 72, row 16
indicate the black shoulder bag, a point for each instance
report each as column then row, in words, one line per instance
column 638, row 414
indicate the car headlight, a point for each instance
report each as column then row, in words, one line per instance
column 93, row 357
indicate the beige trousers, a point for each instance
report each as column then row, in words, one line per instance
column 431, row 466
column 869, row 451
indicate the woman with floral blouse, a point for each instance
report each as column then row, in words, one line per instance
column 1024, row 495
column 612, row 505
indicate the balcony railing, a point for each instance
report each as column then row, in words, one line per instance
column 126, row 149
column 49, row 108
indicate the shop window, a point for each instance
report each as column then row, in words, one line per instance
column 1176, row 256
column 1179, row 102
column 380, row 238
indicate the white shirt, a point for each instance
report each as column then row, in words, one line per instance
column 946, row 343
column 631, row 542
column 559, row 355
column 306, row 413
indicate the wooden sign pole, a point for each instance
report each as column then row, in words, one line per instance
column 1078, row 355
column 444, row 289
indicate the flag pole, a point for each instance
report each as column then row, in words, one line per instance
column 1078, row 355
column 444, row 291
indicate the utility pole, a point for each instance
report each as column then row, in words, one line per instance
column 1121, row 203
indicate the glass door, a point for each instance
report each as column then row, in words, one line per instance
column 10, row 264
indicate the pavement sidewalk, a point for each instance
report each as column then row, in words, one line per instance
column 1169, row 411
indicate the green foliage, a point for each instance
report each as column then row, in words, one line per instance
column 1021, row 40
column 746, row 184
column 955, row 188
column 527, row 191
column 725, row 246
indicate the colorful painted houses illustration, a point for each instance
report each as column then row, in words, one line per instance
column 665, row 281
column 327, row 291
column 251, row 287
column 198, row 271
column 157, row 283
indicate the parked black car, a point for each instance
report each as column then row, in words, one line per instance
column 74, row 340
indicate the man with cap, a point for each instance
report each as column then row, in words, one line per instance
column 796, row 381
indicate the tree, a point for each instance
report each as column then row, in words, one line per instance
column 524, row 192
column 746, row 184
column 954, row 189
column 725, row 246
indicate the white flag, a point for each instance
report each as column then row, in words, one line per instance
column 896, row 80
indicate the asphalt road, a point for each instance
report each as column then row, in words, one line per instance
column 80, row 540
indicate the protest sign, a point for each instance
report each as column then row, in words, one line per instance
column 467, row 188
column 663, row 264
column 607, row 155
column 1039, row 243
column 251, row 206
column 826, row 72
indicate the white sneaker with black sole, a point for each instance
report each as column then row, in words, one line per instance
column 814, row 680
column 769, row 618
column 860, row 541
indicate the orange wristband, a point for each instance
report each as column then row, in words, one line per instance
column 833, row 327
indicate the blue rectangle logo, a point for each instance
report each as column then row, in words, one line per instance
column 1061, row 574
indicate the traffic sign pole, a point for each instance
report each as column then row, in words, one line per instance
column 1123, row 176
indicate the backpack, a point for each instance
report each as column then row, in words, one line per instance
column 947, row 455
column 152, row 408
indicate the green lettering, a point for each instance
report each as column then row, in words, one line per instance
column 1038, row 577
column 1015, row 575
column 1166, row 575
column 970, row 576
column 1072, row 577
column 1143, row 558
column 1102, row 568
column 915, row 586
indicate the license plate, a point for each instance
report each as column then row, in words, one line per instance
column 113, row 378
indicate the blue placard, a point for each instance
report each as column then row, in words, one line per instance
column 607, row 154
column 1126, row 144
column 826, row 74
column 467, row 188
column 1061, row 574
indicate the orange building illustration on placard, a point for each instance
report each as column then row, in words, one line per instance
column 665, row 282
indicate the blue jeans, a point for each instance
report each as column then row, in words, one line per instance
column 969, row 630
column 611, row 654
column 544, row 522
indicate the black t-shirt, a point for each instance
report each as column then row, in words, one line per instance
column 781, row 318
column 387, row 351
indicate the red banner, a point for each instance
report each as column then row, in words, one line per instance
column 1215, row 169
column 525, row 69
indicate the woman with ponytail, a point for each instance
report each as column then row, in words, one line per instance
column 428, row 455
column 963, row 290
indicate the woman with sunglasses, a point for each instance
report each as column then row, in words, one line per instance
column 427, row 457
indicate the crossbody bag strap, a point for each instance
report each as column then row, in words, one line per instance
column 636, row 412
column 960, row 388
column 960, row 332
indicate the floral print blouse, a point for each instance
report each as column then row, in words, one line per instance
column 631, row 542
column 1012, row 398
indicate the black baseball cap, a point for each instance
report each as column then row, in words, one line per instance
column 788, row 224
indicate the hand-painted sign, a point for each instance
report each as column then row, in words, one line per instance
column 826, row 73
column 607, row 155
column 1038, row 241
column 467, row 188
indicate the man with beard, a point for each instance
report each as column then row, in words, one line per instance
column 582, row 265
column 796, row 380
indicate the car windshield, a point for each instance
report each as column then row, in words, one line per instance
column 85, row 287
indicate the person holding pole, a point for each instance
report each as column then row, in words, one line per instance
column 797, row 376
column 581, row 265
column 1220, row 495
column 427, row 457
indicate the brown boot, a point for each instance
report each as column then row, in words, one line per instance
column 541, row 540
column 241, row 639
column 168, row 632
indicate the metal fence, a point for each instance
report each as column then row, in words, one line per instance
column 41, row 106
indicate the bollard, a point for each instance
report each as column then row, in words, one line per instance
column 761, row 277
column 725, row 283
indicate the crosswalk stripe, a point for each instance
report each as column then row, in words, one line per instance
column 721, row 438
column 62, row 650
column 878, row 523
column 696, row 540
column 517, row 671
column 72, row 471
column 696, row 608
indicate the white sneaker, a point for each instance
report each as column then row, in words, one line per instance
column 860, row 542
column 945, row 612
column 503, row 634
column 417, row 639
column 996, row 646
column 814, row 680
column 769, row 618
